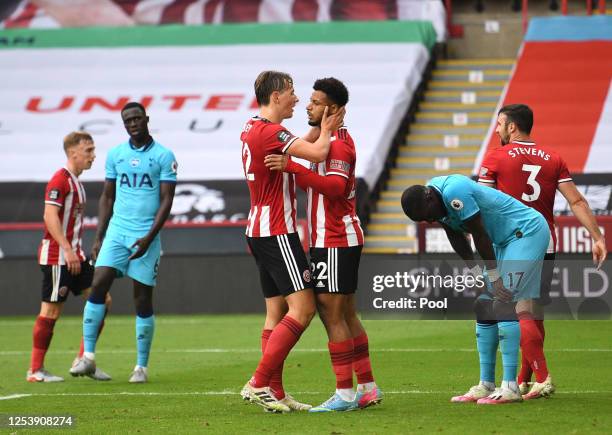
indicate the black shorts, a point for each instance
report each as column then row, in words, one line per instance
column 57, row 281
column 283, row 268
column 547, row 276
column 335, row 270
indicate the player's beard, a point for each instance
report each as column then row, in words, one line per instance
column 314, row 123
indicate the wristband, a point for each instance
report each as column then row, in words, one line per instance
column 476, row 270
column 493, row 275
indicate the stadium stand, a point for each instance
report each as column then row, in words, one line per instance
column 444, row 137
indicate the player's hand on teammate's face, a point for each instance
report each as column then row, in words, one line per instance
column 500, row 292
column 73, row 262
column 141, row 246
column 332, row 122
column 276, row 162
column 600, row 252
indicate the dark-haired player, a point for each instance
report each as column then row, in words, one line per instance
column 60, row 254
column 532, row 174
column 135, row 203
column 336, row 241
column 511, row 238
column 271, row 233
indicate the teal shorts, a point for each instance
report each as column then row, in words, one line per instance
column 520, row 262
column 115, row 251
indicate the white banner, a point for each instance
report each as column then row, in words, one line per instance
column 198, row 99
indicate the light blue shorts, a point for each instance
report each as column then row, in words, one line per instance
column 116, row 248
column 520, row 262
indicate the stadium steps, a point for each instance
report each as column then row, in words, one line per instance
column 444, row 137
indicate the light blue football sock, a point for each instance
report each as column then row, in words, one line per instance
column 509, row 340
column 93, row 315
column 145, row 327
column 487, row 338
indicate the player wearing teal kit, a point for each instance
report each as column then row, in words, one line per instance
column 135, row 203
column 512, row 239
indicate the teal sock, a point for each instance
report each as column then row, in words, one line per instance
column 509, row 340
column 487, row 340
column 145, row 327
column 93, row 314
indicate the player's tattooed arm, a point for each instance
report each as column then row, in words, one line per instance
column 105, row 212
column 166, row 196
column 484, row 246
column 581, row 209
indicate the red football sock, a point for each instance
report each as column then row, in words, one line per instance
column 342, row 361
column 540, row 324
column 526, row 372
column 532, row 345
column 361, row 359
column 281, row 341
column 42, row 334
column 82, row 347
column 276, row 381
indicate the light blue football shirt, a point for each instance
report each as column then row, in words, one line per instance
column 501, row 214
column 137, row 174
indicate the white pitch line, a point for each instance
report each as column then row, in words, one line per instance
column 235, row 393
column 14, row 396
column 255, row 350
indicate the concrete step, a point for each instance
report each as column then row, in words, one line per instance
column 402, row 173
column 392, row 251
column 462, row 96
column 386, row 242
column 447, row 85
column 433, row 151
column 454, row 118
column 436, row 106
column 391, row 195
column 400, row 184
column 453, row 141
column 475, row 75
column 421, row 128
column 388, row 206
column 468, row 64
column 440, row 163
column 388, row 218
column 396, row 230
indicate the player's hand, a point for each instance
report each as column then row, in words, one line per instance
column 73, row 262
column 333, row 122
column 276, row 162
column 600, row 252
column 142, row 245
column 500, row 292
column 95, row 250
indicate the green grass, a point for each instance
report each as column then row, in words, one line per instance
column 418, row 364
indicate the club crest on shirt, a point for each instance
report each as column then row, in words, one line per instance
column 134, row 162
column 283, row 136
column 53, row 194
column 456, row 204
column 174, row 167
column 483, row 171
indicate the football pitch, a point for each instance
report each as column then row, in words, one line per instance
column 199, row 364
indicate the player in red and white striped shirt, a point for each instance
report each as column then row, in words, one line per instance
column 336, row 241
column 532, row 174
column 271, row 233
column 60, row 255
